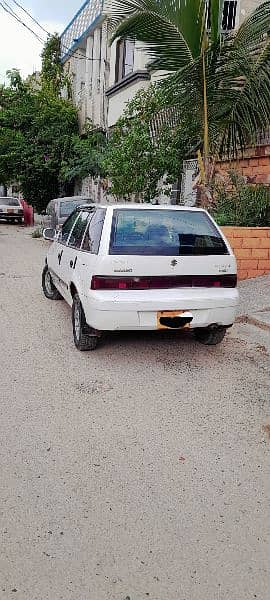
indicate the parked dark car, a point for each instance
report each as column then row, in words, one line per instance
column 60, row 209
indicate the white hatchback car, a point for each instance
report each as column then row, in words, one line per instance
column 142, row 267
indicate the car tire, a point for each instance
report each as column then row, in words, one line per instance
column 83, row 339
column 49, row 289
column 210, row 337
column 20, row 220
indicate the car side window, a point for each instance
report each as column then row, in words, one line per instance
column 67, row 227
column 78, row 230
column 93, row 233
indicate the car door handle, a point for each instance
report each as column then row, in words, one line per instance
column 60, row 257
column 73, row 264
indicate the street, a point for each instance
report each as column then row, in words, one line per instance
column 138, row 471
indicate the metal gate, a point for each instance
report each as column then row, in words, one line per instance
column 190, row 172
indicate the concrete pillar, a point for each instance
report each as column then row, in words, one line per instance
column 96, row 76
column 89, row 78
column 104, row 75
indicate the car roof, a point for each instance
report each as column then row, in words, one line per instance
column 71, row 199
column 144, row 206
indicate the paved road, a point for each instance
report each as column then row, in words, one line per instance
column 139, row 471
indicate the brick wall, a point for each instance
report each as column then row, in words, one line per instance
column 255, row 166
column 252, row 249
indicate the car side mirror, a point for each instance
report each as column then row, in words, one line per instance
column 49, row 234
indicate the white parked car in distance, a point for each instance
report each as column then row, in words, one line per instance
column 11, row 209
column 142, row 267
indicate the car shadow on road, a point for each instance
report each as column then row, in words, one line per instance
column 164, row 347
column 114, row 338
column 167, row 342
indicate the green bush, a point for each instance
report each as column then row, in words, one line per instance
column 243, row 205
column 37, row 233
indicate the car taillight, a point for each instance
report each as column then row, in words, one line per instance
column 102, row 282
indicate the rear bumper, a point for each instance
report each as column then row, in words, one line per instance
column 148, row 321
column 4, row 215
column 138, row 310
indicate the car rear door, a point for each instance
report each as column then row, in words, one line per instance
column 70, row 267
column 87, row 258
column 168, row 258
column 57, row 254
column 81, row 252
column 167, row 242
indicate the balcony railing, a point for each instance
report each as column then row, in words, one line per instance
column 77, row 29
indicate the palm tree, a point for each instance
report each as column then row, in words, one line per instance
column 220, row 80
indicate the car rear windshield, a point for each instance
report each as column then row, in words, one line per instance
column 164, row 233
column 66, row 208
column 9, row 202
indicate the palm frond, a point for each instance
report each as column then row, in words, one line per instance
column 250, row 111
column 171, row 30
column 237, row 65
column 254, row 26
column 158, row 36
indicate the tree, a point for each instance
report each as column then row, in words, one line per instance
column 219, row 80
column 36, row 127
column 141, row 152
column 53, row 77
column 86, row 155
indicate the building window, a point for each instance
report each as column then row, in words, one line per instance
column 229, row 15
column 124, row 63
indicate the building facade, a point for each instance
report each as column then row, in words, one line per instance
column 128, row 61
column 104, row 78
column 85, row 55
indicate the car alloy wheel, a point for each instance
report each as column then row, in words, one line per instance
column 77, row 320
column 84, row 338
column 48, row 282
